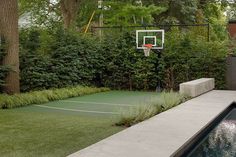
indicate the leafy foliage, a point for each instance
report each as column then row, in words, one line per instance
column 183, row 12
column 70, row 60
column 55, row 58
column 125, row 66
column 76, row 60
column 114, row 62
column 156, row 105
column 123, row 14
column 188, row 57
column 85, row 12
column 35, row 66
column 38, row 97
column 41, row 12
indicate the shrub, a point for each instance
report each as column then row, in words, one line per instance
column 38, row 97
column 137, row 114
column 36, row 73
column 155, row 106
column 114, row 62
column 125, row 67
column 70, row 60
column 168, row 100
column 189, row 57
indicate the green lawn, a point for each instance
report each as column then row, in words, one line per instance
column 26, row 134
column 35, row 131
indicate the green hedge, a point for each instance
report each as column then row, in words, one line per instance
column 188, row 57
column 38, row 97
column 71, row 60
column 125, row 67
column 60, row 59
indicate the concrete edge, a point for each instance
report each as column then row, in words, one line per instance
column 202, row 129
column 197, row 87
column 213, row 94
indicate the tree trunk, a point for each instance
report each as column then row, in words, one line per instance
column 69, row 9
column 9, row 31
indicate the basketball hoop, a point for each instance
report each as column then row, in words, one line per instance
column 146, row 49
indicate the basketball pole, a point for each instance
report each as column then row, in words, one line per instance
column 158, row 87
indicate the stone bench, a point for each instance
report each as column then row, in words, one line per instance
column 197, row 87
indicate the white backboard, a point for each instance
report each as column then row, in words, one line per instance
column 154, row 37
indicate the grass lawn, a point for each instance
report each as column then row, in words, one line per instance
column 25, row 134
column 39, row 131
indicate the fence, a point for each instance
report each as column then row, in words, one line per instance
column 103, row 31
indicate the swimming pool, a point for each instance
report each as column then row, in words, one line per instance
column 218, row 139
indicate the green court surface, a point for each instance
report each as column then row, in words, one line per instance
column 105, row 104
column 62, row 127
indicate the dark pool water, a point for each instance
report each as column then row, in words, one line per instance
column 221, row 141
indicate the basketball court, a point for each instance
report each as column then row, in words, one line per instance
column 111, row 103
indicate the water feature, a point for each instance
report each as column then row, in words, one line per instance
column 221, row 141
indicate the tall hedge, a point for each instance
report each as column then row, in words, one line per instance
column 60, row 59
column 188, row 57
column 71, row 60
column 76, row 60
column 125, row 67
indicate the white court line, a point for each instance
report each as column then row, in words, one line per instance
column 58, row 108
column 97, row 103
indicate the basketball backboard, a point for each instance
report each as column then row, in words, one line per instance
column 154, row 37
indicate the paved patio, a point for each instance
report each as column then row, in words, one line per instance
column 163, row 134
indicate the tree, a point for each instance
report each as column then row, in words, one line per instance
column 41, row 12
column 85, row 12
column 182, row 12
column 47, row 12
column 69, row 9
column 129, row 13
column 9, row 31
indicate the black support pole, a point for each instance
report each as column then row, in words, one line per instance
column 158, row 87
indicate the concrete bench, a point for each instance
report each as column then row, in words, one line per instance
column 197, row 87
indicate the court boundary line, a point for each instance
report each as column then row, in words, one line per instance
column 98, row 103
column 75, row 110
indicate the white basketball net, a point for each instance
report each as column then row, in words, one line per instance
column 146, row 49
